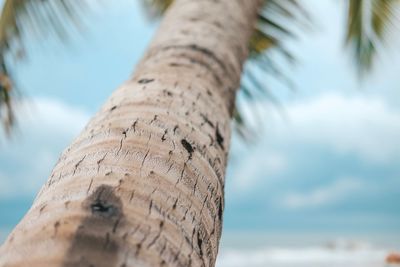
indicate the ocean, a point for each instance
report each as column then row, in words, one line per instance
column 262, row 249
column 306, row 250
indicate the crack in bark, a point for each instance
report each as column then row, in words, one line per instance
column 77, row 164
column 134, row 125
column 163, row 136
column 144, row 159
column 202, row 50
column 157, row 236
column 90, row 185
column 169, row 168
column 122, row 140
column 219, row 138
column 100, row 161
column 145, row 81
column 206, row 120
column 189, row 148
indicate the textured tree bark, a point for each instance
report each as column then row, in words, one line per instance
column 143, row 184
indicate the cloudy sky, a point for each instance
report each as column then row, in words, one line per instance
column 330, row 161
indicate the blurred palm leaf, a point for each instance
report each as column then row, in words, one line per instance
column 157, row 7
column 20, row 17
column 369, row 22
column 272, row 30
column 275, row 26
column 24, row 19
column 367, row 27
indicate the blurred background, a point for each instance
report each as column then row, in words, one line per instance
column 320, row 184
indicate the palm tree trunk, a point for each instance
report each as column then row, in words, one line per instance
column 143, row 184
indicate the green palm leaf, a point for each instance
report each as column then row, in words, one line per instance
column 275, row 25
column 368, row 23
column 272, row 29
column 18, row 21
column 21, row 17
column 367, row 27
column 158, row 6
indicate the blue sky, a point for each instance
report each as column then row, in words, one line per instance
column 331, row 163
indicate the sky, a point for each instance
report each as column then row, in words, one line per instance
column 329, row 161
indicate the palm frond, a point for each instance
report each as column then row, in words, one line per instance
column 276, row 23
column 157, row 7
column 367, row 25
column 273, row 28
column 21, row 20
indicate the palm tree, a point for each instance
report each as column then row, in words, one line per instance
column 143, row 184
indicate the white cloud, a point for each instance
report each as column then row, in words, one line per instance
column 45, row 127
column 360, row 125
column 325, row 195
column 253, row 169
column 45, row 114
